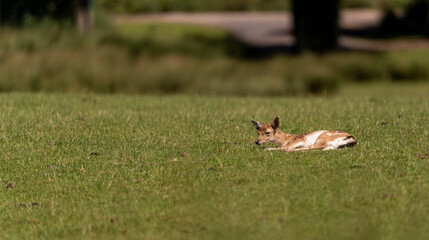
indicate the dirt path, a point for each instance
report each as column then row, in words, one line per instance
column 262, row 29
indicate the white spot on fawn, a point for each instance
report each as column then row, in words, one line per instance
column 312, row 138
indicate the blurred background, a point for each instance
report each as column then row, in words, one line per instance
column 211, row 47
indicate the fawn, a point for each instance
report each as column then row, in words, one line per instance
column 323, row 139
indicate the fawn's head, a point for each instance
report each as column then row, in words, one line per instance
column 266, row 132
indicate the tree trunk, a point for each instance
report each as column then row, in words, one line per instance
column 84, row 16
column 316, row 25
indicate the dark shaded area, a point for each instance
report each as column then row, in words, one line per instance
column 415, row 18
column 316, row 24
column 413, row 22
column 247, row 51
column 21, row 12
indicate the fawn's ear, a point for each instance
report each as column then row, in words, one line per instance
column 256, row 124
column 276, row 123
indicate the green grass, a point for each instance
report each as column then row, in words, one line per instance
column 226, row 187
column 219, row 5
column 192, row 5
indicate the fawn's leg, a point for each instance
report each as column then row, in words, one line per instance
column 297, row 149
column 317, row 146
column 288, row 149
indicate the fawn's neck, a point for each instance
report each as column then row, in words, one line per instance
column 282, row 138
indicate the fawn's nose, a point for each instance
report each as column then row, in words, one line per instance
column 258, row 143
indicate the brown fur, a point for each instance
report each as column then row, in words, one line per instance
column 296, row 142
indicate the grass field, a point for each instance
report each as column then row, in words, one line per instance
column 185, row 167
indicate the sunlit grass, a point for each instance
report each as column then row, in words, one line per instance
column 186, row 167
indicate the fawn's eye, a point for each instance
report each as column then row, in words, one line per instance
column 267, row 133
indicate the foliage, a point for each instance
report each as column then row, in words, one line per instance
column 122, row 6
column 24, row 12
column 164, row 58
column 190, row 5
column 392, row 4
column 114, row 167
